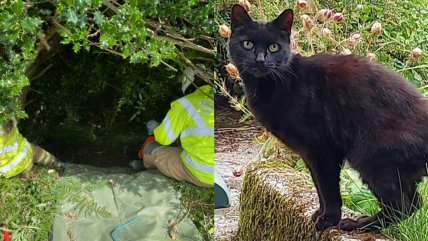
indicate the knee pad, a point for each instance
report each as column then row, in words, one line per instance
column 152, row 146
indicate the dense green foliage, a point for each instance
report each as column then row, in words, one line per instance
column 29, row 204
column 173, row 34
column 17, row 48
column 99, row 90
column 200, row 204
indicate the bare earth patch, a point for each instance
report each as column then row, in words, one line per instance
column 233, row 147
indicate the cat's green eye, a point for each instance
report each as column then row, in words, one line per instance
column 273, row 48
column 247, row 44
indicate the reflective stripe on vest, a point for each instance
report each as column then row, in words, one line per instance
column 9, row 148
column 18, row 159
column 191, row 110
column 197, row 132
column 196, row 165
column 168, row 128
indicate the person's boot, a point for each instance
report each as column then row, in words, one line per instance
column 137, row 165
column 58, row 166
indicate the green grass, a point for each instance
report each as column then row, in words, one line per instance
column 416, row 227
column 28, row 204
column 357, row 197
column 200, row 203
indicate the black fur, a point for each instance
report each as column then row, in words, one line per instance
column 331, row 108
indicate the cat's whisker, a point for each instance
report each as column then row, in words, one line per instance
column 286, row 68
column 275, row 72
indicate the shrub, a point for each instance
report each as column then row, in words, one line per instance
column 147, row 32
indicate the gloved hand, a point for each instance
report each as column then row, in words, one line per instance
column 151, row 126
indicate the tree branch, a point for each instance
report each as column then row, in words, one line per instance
column 175, row 39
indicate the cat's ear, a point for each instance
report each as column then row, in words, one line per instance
column 285, row 20
column 239, row 16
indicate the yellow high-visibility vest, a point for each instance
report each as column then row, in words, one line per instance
column 15, row 153
column 192, row 119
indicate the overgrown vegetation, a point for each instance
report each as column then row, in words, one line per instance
column 357, row 197
column 28, row 204
column 152, row 33
column 389, row 32
column 89, row 103
column 200, row 204
column 99, row 70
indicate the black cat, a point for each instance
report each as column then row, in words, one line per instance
column 329, row 108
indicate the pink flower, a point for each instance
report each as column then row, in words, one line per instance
column 307, row 22
column 354, row 38
column 371, row 56
column 326, row 32
column 302, row 4
column 245, row 4
column 224, row 31
column 346, row 52
column 376, row 29
column 416, row 53
column 324, row 14
column 238, row 171
column 338, row 17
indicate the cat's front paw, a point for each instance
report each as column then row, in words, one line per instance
column 326, row 221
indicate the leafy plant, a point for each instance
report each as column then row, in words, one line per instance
column 147, row 32
column 28, row 204
column 414, row 228
column 355, row 194
column 200, row 204
column 77, row 193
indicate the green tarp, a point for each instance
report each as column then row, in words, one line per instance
column 112, row 197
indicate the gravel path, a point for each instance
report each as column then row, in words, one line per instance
column 234, row 147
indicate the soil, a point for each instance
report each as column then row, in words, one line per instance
column 234, row 147
column 85, row 143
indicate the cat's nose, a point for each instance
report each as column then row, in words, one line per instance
column 260, row 59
